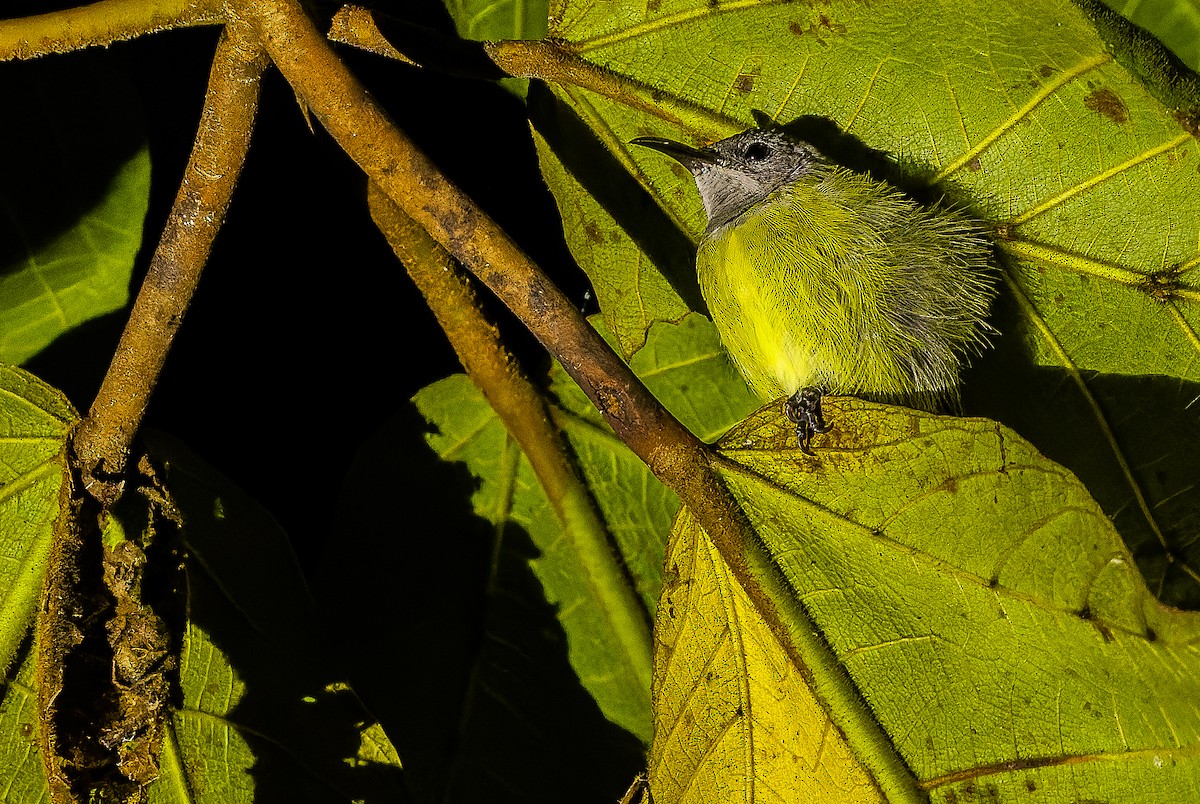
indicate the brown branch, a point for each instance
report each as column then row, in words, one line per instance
column 524, row 414
column 407, row 176
column 676, row 457
column 101, row 24
column 102, row 441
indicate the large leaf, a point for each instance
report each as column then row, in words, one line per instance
column 977, row 598
column 35, row 420
column 73, row 196
column 1060, row 126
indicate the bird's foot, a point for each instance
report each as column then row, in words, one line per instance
column 803, row 409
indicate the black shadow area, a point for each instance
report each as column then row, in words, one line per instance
column 257, row 660
column 473, row 685
column 70, row 123
column 1155, row 421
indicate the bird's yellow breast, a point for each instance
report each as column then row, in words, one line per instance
column 795, row 289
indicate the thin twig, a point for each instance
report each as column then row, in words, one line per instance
column 102, row 441
column 556, row 64
column 523, row 411
column 101, row 24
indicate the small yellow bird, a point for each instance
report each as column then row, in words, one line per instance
column 822, row 280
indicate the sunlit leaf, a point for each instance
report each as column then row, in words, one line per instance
column 35, row 421
column 734, row 720
column 1066, row 131
column 21, row 770
column 73, row 196
column 469, row 430
column 979, row 601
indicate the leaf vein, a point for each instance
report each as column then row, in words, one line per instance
column 1063, row 78
column 1099, row 178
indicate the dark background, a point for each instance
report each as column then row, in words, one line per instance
column 306, row 335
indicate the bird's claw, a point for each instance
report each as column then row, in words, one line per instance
column 803, row 409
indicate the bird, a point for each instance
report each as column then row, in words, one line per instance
column 824, row 280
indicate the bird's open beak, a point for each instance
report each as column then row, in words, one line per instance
column 686, row 155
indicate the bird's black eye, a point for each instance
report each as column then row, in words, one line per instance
column 757, row 151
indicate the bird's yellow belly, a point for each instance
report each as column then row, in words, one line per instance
column 758, row 329
column 835, row 283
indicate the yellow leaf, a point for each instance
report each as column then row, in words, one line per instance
column 734, row 719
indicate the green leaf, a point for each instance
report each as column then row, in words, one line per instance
column 35, row 421
column 73, row 197
column 21, row 772
column 510, row 569
column 1070, row 138
column 470, row 431
column 1073, row 143
column 630, row 284
column 499, row 19
column 977, row 598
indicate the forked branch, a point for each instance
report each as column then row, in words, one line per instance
column 410, row 180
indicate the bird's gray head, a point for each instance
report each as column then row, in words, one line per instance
column 740, row 171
